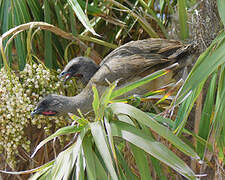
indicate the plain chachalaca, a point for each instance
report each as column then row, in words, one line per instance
column 127, row 63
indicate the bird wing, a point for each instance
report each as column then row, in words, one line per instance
column 139, row 58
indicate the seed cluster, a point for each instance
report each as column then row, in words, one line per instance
column 18, row 96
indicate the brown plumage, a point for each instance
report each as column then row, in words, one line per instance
column 127, row 63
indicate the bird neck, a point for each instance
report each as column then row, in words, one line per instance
column 82, row 101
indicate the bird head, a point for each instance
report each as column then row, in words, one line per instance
column 51, row 105
column 71, row 70
column 81, row 67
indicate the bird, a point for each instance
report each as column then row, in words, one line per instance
column 127, row 63
column 82, row 67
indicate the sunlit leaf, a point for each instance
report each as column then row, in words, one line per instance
column 101, row 143
column 120, row 108
column 156, row 149
column 65, row 161
column 62, row 131
column 42, row 169
column 81, row 16
column 95, row 103
column 221, row 9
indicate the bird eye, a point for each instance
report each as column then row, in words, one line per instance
column 44, row 103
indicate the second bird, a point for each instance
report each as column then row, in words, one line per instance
column 82, row 67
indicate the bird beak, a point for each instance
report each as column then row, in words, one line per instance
column 61, row 75
column 65, row 75
column 35, row 111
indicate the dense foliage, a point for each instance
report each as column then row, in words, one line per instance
column 122, row 142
